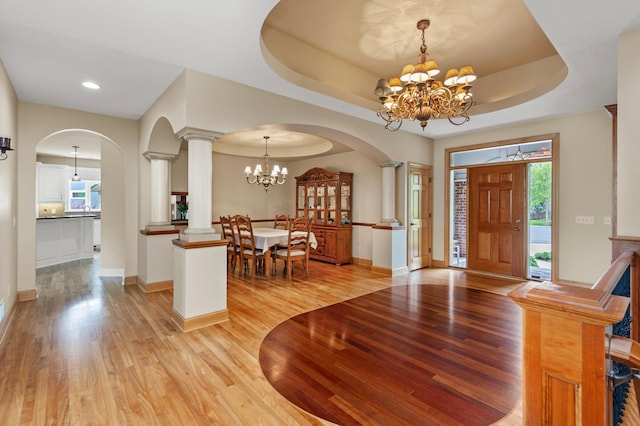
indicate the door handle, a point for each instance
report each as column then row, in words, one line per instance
column 517, row 228
column 413, row 224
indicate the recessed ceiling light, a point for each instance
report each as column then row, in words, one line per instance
column 91, row 85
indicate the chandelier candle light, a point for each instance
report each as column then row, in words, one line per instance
column 261, row 176
column 416, row 95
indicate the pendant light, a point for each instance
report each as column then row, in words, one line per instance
column 75, row 177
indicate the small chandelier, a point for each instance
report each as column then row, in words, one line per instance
column 416, row 95
column 261, row 176
column 75, row 177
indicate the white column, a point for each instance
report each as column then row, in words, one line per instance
column 389, row 192
column 200, row 143
column 199, row 256
column 160, row 190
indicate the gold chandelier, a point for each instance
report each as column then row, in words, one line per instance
column 416, row 95
column 262, row 176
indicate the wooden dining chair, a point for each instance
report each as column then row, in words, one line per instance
column 281, row 222
column 248, row 250
column 298, row 246
column 233, row 249
column 302, row 223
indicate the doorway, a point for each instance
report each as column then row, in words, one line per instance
column 420, row 216
column 500, row 210
column 101, row 160
column 495, row 219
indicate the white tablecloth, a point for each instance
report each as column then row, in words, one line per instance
column 269, row 237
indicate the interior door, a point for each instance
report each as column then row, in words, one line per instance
column 497, row 219
column 419, row 236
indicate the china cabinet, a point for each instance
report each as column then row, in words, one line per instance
column 325, row 196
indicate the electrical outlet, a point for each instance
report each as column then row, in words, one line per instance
column 607, row 220
column 585, row 220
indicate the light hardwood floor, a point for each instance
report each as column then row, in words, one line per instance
column 90, row 351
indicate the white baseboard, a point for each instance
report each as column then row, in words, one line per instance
column 112, row 272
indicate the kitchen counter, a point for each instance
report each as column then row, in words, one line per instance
column 70, row 216
column 63, row 239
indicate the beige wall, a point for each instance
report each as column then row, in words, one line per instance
column 246, row 107
column 232, row 195
column 628, row 135
column 585, row 179
column 36, row 123
column 584, row 189
column 8, row 195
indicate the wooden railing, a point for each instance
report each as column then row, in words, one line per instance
column 566, row 341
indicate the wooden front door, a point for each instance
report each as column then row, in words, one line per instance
column 497, row 219
column 419, row 235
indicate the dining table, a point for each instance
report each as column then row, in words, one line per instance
column 265, row 238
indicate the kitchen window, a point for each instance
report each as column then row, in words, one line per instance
column 84, row 196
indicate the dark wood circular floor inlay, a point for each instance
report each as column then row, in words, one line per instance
column 414, row 354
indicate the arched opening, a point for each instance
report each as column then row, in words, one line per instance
column 98, row 162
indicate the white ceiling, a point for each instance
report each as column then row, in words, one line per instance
column 135, row 49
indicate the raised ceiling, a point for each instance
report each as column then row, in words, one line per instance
column 342, row 48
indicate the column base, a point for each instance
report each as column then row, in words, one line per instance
column 199, row 283
column 189, row 324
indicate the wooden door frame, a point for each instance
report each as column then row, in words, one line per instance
column 555, row 173
column 429, row 169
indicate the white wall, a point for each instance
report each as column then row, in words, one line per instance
column 584, row 189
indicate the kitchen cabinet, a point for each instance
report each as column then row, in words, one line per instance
column 326, row 197
column 51, row 183
column 63, row 239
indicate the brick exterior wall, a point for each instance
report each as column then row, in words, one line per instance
column 460, row 216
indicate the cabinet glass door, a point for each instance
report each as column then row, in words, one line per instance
column 321, row 197
column 345, row 207
column 301, row 202
column 331, row 203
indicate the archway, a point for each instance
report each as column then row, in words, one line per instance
column 101, row 160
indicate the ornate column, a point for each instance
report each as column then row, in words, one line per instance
column 200, row 182
column 389, row 192
column 155, row 256
column 160, row 190
column 200, row 255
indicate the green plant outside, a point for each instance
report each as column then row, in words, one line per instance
column 538, row 222
column 544, row 255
